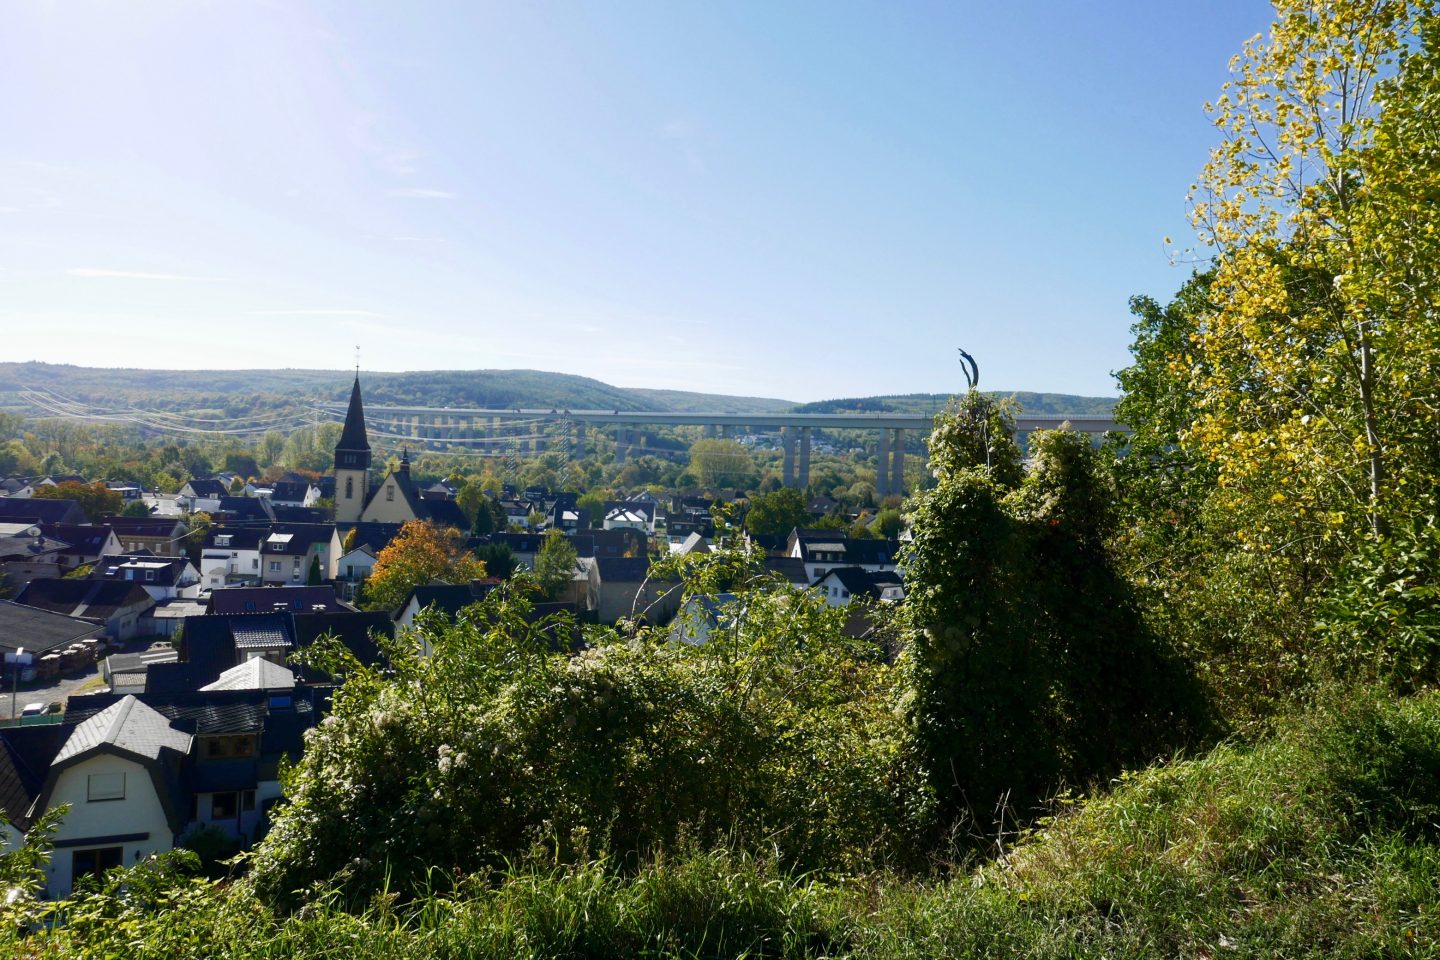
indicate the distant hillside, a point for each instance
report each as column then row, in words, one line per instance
column 1034, row 404
column 247, row 393
column 236, row 392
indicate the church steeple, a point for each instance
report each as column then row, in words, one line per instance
column 353, row 438
column 352, row 461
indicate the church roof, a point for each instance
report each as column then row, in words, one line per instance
column 353, row 437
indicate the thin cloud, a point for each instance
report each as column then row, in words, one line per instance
column 395, row 159
column 421, row 193
column 315, row 313
column 95, row 273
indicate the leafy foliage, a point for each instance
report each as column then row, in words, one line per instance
column 777, row 512
column 1030, row 663
column 95, row 499
column 777, row 735
column 555, row 563
column 421, row 553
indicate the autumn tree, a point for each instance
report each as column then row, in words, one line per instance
column 95, row 499
column 1310, row 369
column 419, row 554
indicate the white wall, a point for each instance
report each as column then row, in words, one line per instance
column 139, row 812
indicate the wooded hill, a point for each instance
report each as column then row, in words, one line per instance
column 236, row 393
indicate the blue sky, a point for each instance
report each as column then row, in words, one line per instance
column 803, row 200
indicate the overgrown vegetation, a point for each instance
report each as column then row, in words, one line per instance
column 1173, row 696
column 1319, row 842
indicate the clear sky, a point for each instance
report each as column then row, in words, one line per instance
column 802, row 200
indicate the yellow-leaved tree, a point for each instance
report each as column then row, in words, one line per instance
column 1313, row 371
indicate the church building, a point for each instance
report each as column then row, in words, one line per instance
column 395, row 499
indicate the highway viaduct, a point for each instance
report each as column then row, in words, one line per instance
column 795, row 429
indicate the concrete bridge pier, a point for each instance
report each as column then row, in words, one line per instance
column 622, row 442
column 897, row 465
column 803, row 480
column 882, row 467
column 787, row 439
column 709, row 431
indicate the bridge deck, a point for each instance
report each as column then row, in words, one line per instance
column 1084, row 423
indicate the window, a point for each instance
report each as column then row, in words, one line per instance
column 105, row 786
column 389, row 491
column 255, row 563
column 149, row 575
column 84, row 863
column 224, row 806
column 349, row 487
column 274, row 566
column 224, row 748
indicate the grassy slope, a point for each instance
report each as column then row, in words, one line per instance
column 1321, row 842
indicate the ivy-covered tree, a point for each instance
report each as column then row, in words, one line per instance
column 1030, row 663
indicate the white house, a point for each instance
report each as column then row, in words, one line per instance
column 622, row 517
column 117, row 771
column 230, row 556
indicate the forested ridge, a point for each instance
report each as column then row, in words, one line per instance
column 1170, row 695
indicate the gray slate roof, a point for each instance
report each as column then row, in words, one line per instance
column 129, row 726
column 256, row 673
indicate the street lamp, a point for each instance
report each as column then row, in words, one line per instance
column 17, row 660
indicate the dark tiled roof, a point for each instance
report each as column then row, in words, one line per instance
column 235, row 600
column 284, row 514
column 791, row 568
column 622, row 569
column 141, row 568
column 158, row 527
column 39, row 510
column 244, row 508
column 861, row 582
column 449, row 599
column 297, row 538
column 209, row 488
column 260, row 632
column 96, row 599
column 84, row 541
column 25, row 757
column 289, row 490
column 39, row 631
column 445, row 513
column 241, row 538
column 376, row 535
column 354, row 629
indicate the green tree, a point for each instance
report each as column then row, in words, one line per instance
column 315, row 577
column 720, row 464
column 498, row 558
column 594, row 503
column 135, row 508
column 555, row 563
column 888, row 524
column 778, row 512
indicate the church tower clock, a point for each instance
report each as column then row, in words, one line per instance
column 352, row 462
